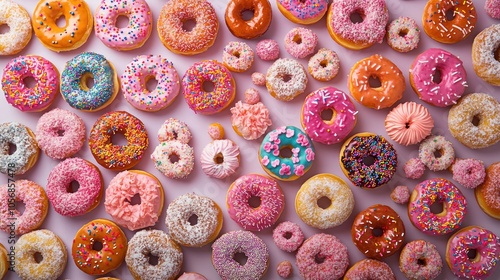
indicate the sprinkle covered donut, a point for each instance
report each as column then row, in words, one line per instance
column 488, row 193
column 275, row 82
column 420, row 260
column 174, row 170
column 403, row 34
column 436, row 144
column 303, row 12
column 250, row 28
column 27, row 151
column 288, row 236
column 19, row 22
column 369, row 269
column 174, row 129
column 237, row 56
column 324, row 65
column 409, row 123
column 300, row 42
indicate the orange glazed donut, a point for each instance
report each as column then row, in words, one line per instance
column 488, row 193
column 253, row 27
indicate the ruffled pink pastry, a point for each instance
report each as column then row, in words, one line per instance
column 250, row 121
column 409, row 123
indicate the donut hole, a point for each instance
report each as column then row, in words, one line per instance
column 193, row 220
column 438, row 153
column 403, row 32
column 247, row 14
column 60, row 132
column 437, row 76
column 374, row 82
column 4, row 28
column 437, row 207
column 12, row 148
column 38, row 257
column 472, row 254
column 287, row 235
column 97, row 245
column 324, row 202
column 369, row 160
column 73, row 187
column 254, row 201
column 421, row 262
column 286, row 152
column 152, row 259
column 188, row 24
column 327, row 115
column 151, row 84
column 377, row 232
column 323, row 63
column 118, row 139
column 29, row 82
column 208, row 86
column 134, row 200
column 475, row 120
column 286, row 77
column 319, row 258
column 122, row 21
column 358, row 16
column 20, row 207
column 450, row 14
column 87, row 81
column 240, row 258
column 61, row 21
column 173, row 158
column 219, row 158
column 297, row 39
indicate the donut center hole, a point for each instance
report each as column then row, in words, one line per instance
column 377, row 232
column 12, row 148
column 38, row 257
column 193, row 220
column 327, row 115
column 475, row 121
column 254, row 201
column 421, row 262
column 407, row 125
column 286, row 77
column 286, row 152
column 324, row 202
column 450, row 14
column 173, row 158
column 438, row 153
column 152, row 259
column 319, row 259
column 403, row 32
column 368, row 160
column 151, row 84
column 436, row 207
column 20, row 207
column 208, row 86
column 134, row 200
column 287, row 235
column 97, row 245
column 73, row 187
column 247, row 14
column 61, row 21
column 236, row 54
column 4, row 29
column 219, row 158
column 87, row 81
column 60, row 132
column 323, row 63
column 122, row 21
column 374, row 82
column 188, row 24
column 240, row 258
column 119, row 139
column 297, row 39
column 471, row 254
column 496, row 54
column 437, row 76
column 357, row 16
column 29, row 82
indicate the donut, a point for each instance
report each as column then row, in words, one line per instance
column 323, row 216
column 191, row 276
column 341, row 123
column 487, row 194
column 76, row 74
column 438, row 77
column 322, row 257
column 492, row 8
column 420, row 260
column 286, row 79
column 288, row 236
column 49, row 246
column 468, row 172
column 174, row 129
column 409, row 123
column 90, row 187
column 359, row 151
column 486, row 247
column 142, row 69
column 220, row 158
column 258, row 79
column 99, row 247
column 147, row 243
column 368, row 269
column 193, row 220
column 18, row 20
column 237, row 56
column 137, row 31
column 60, row 134
column 174, row 159
column 207, row 101
column 275, row 161
column 483, row 55
column 250, row 120
column 73, row 34
column 392, row 82
column 118, row 157
column 324, row 65
column 432, row 191
column 284, row 269
column 256, row 251
column 4, row 261
column 300, row 42
column 303, row 12
column 30, row 99
column 475, row 120
column 378, row 232
column 262, row 214
column 414, row 168
column 436, row 144
column 179, row 39
column 267, row 50
column 359, row 35
column 400, row 194
column 26, row 154
column 403, row 34
column 449, row 21
column 252, row 27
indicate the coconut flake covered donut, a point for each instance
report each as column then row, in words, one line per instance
column 276, row 79
column 420, row 260
column 370, row 269
column 19, row 22
column 409, row 123
column 238, row 56
column 250, row 28
column 488, row 193
column 486, row 66
column 432, row 145
column 162, row 158
column 27, row 151
column 288, row 236
column 403, row 34
column 300, row 42
column 174, row 129
column 468, row 172
column 303, row 11
column 324, row 65
column 267, row 50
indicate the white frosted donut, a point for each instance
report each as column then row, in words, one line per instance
column 220, row 158
column 434, row 144
column 237, row 56
column 26, row 154
column 324, row 65
column 19, row 22
column 163, row 162
column 174, row 129
column 285, row 79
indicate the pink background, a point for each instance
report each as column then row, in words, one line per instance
column 198, row 259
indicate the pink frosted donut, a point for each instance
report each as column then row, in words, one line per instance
column 330, row 250
column 403, row 34
column 220, row 158
column 492, row 8
column 300, row 42
column 469, row 173
column 60, row 133
column 259, row 79
column 324, row 65
column 434, row 144
column 400, row 194
column 367, row 269
column 237, row 56
column 284, row 269
column 288, row 236
column 191, row 276
column 414, row 168
column 162, row 158
column 267, row 50
column 303, row 11
column 420, row 260
column 174, row 129
column 253, row 217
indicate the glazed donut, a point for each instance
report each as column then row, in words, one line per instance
column 432, row 191
column 204, row 210
column 409, row 123
column 139, row 72
column 368, row 268
column 483, row 55
column 281, row 167
column 288, row 236
column 112, row 240
column 116, row 157
column 220, row 158
column 420, row 260
column 300, row 42
column 248, row 28
column 237, row 56
column 60, row 134
column 181, row 41
column 250, row 121
column 461, row 120
column 174, row 129
column 483, row 242
column 392, row 82
column 137, row 31
column 73, row 34
column 4, row 261
column 279, row 71
column 267, row 50
column 492, row 8
column 147, row 243
column 19, row 22
column 400, row 194
column 403, row 34
column 197, row 97
column 164, row 154
column 251, row 217
column 303, row 12
column 433, row 144
column 284, row 269
column 49, row 246
column 224, row 249
column 378, row 231
column 468, row 172
column 30, row 99
column 353, row 160
column 191, row 276
column 78, row 71
column 27, row 151
column 89, row 193
column 414, row 168
column 446, row 28
column 327, row 248
column 333, row 130
column 338, row 194
column 324, row 65
column 451, row 84
column 488, row 194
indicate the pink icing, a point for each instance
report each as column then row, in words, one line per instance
column 411, row 256
column 228, row 152
column 409, row 123
column 293, row 242
column 258, row 79
column 252, row 96
column 284, row 269
column 251, row 121
column 267, row 50
column 305, row 10
column 492, row 8
column 300, row 42
column 470, row 172
column 414, row 168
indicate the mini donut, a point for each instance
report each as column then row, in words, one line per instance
column 483, row 55
column 300, row 42
column 60, row 134
column 288, row 236
column 4, row 261
column 137, row 31
column 250, row 28
column 118, row 157
column 378, row 232
column 286, row 79
column 432, row 191
column 204, row 210
column 18, row 20
column 409, row 123
column 220, row 158
column 147, row 243
column 414, row 168
column 392, row 82
column 216, row 131
column 284, row 269
column 237, row 56
column 283, row 167
column 174, row 129
column 468, row 172
column 368, row 269
column 191, row 276
column 488, row 194
column 112, row 240
column 327, row 248
column 449, row 21
column 30, row 99
column 353, row 160
column 267, row 50
column 403, row 34
column 448, row 88
column 250, row 217
column 492, row 8
column 224, row 249
column 337, row 192
column 73, row 34
column 167, row 152
column 139, row 72
column 250, row 121
column 461, row 120
column 303, row 12
column 400, row 194
column 49, row 246
column 324, row 65
column 181, row 41
column 27, row 151
column 420, row 260
column 433, row 144
column 197, row 97
column 78, row 71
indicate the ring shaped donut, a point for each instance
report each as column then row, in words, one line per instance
column 27, row 151
column 250, row 28
column 165, row 151
column 432, row 145
column 18, row 20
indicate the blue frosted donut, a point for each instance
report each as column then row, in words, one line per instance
column 286, row 168
column 74, row 89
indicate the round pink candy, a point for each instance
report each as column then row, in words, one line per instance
column 252, row 96
column 414, row 168
column 284, row 269
column 258, row 79
column 470, row 172
column 400, row 194
column 288, row 236
column 268, row 50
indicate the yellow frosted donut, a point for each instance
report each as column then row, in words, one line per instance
column 18, row 20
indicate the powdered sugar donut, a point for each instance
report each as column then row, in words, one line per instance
column 267, row 50
column 324, row 65
column 288, row 236
column 300, row 42
column 237, row 56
